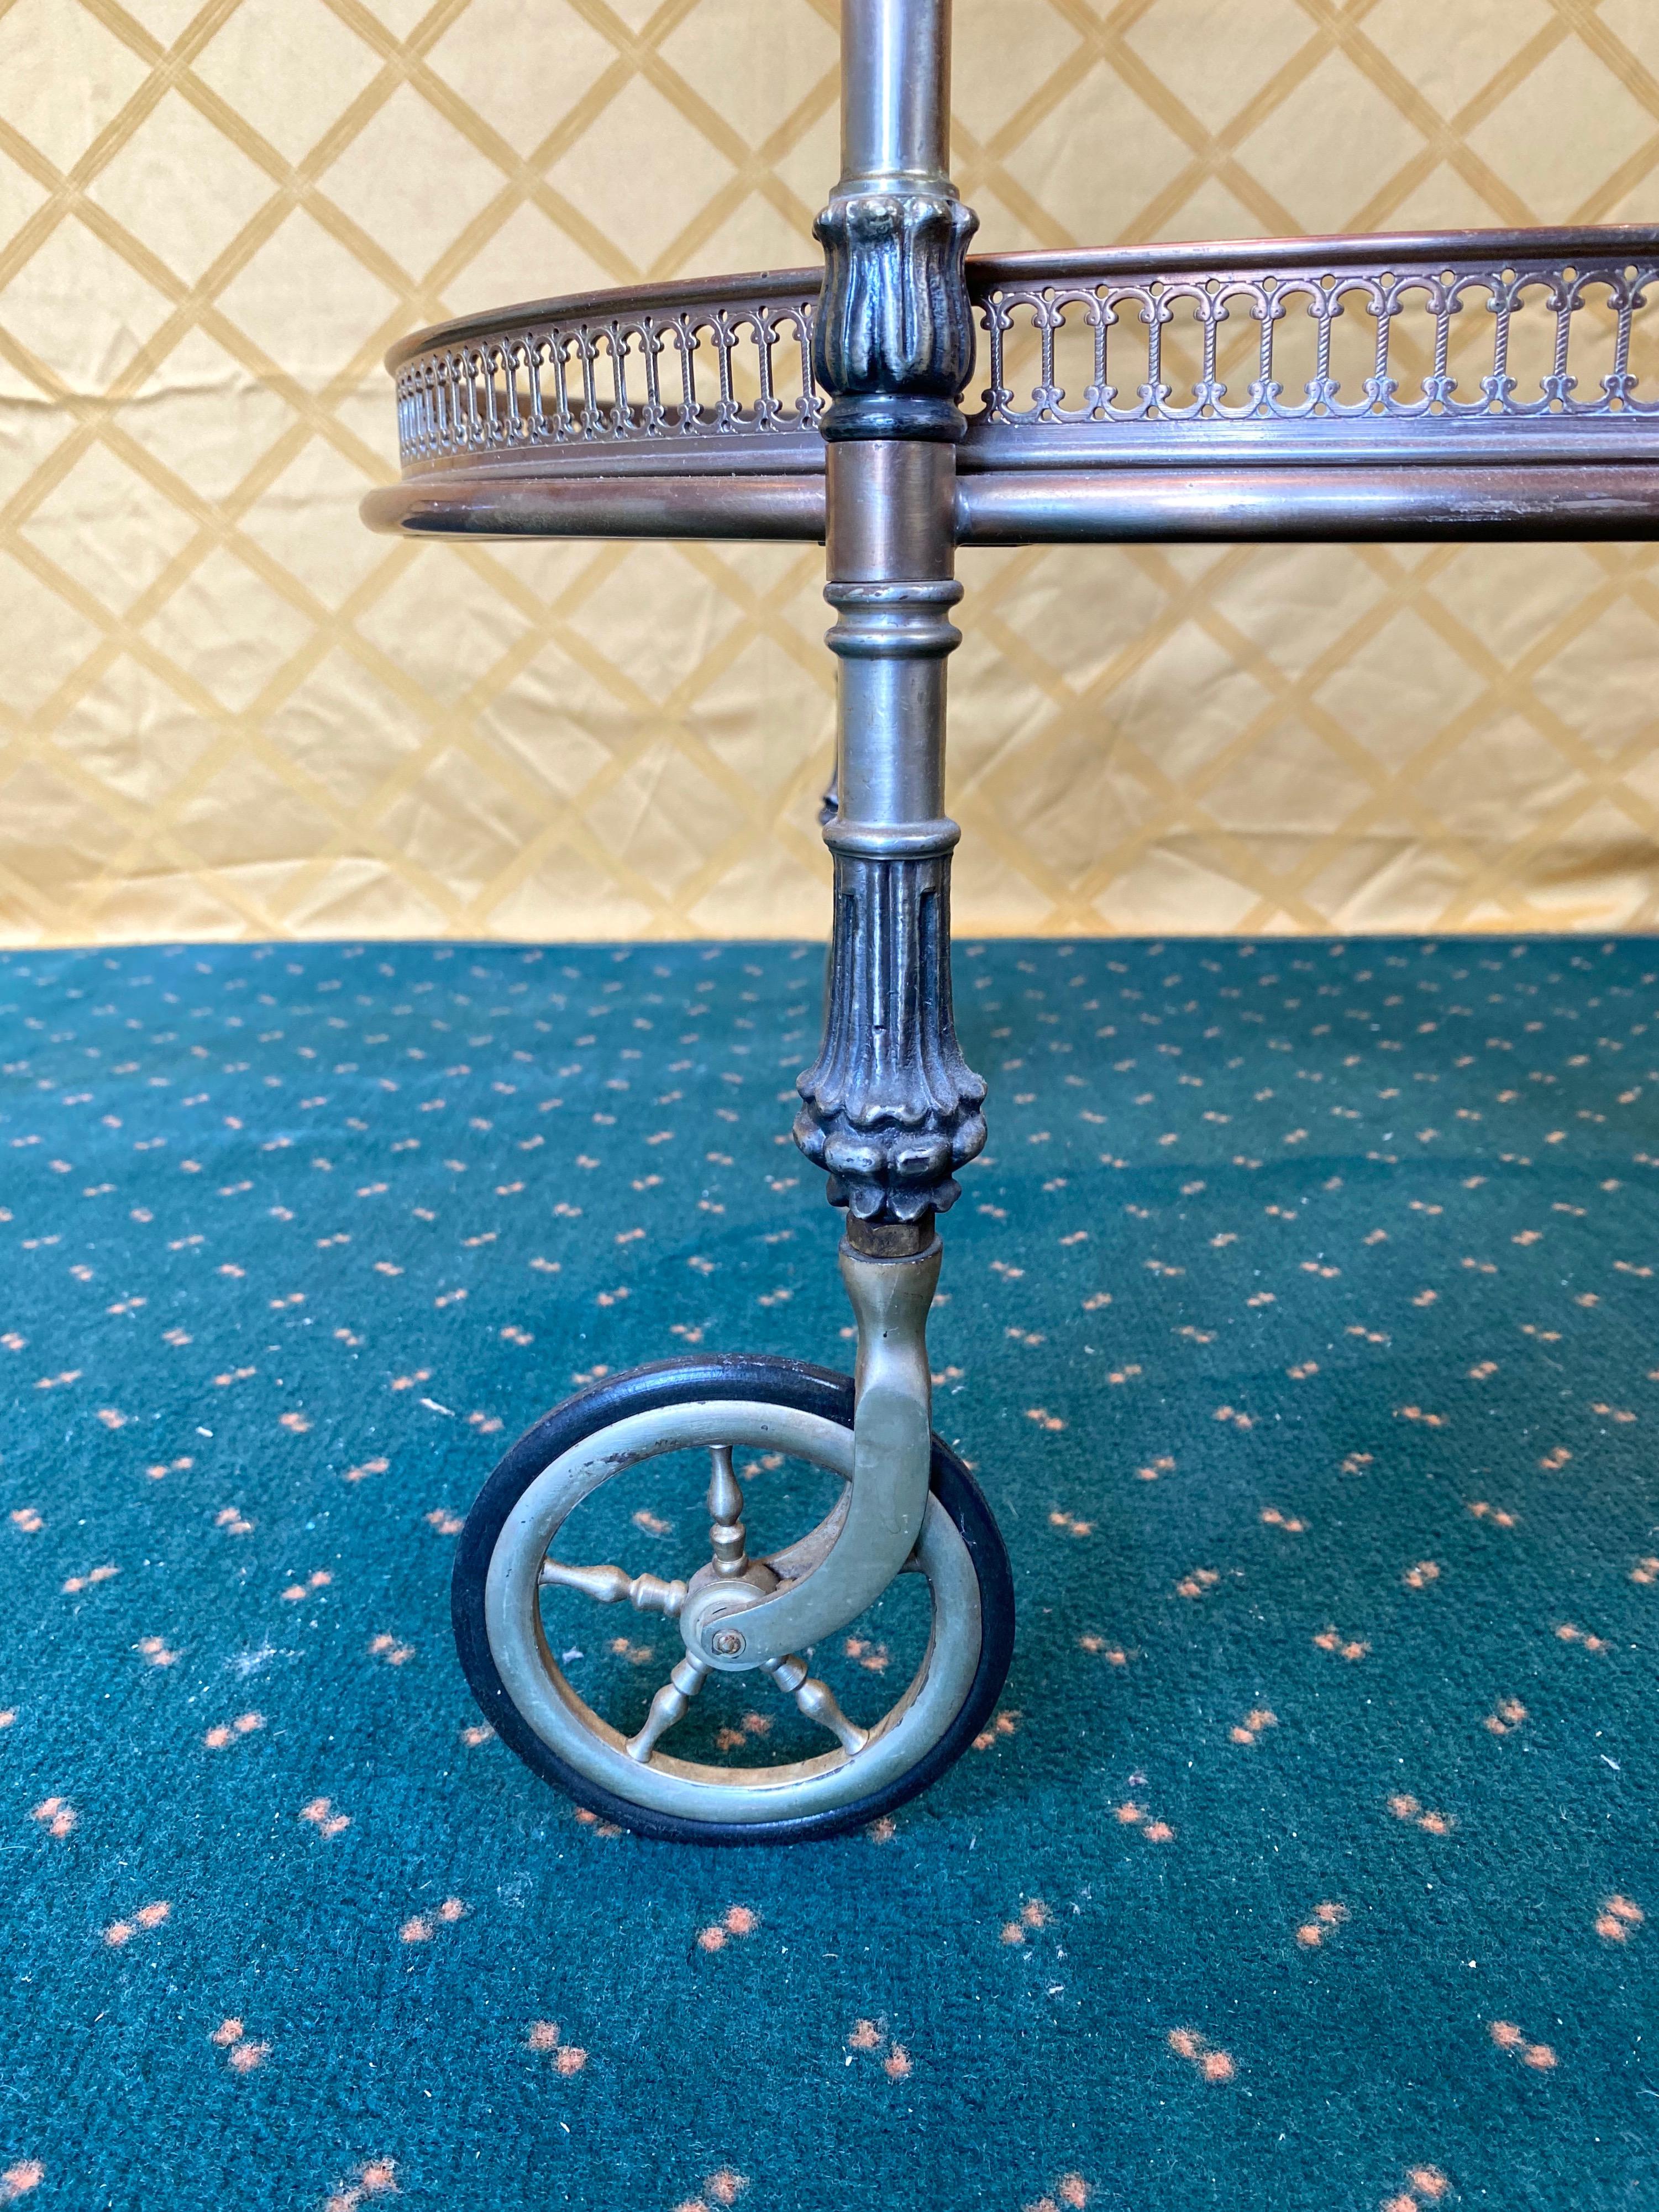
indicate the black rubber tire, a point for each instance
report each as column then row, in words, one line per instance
column 648, row 1389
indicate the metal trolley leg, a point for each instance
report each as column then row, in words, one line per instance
column 890, row 1111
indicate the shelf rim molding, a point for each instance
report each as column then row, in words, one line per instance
column 1287, row 357
column 1339, row 504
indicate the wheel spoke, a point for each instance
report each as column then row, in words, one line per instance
column 646, row 1593
column 727, row 1539
column 816, row 1700
column 668, row 1707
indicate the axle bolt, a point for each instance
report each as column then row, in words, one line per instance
column 727, row 1642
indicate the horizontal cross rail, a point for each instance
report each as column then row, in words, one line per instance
column 1341, row 504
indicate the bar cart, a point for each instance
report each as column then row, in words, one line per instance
column 1458, row 385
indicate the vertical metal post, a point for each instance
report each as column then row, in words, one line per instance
column 889, row 1107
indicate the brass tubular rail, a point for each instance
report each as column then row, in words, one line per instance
column 1106, row 506
column 549, row 506
column 1333, row 505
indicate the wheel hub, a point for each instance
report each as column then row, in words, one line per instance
column 713, row 1597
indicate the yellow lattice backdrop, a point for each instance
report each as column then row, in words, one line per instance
column 225, row 710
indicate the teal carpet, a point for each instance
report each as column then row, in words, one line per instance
column 1301, row 1327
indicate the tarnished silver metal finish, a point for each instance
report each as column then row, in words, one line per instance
column 610, row 1585
column 592, row 396
column 816, row 1700
column 645, row 1772
column 547, row 503
column 1384, row 352
column 727, row 1540
column 895, row 634
column 1352, row 505
column 1349, row 503
column 668, row 1707
column 892, row 527
column 892, row 1449
column 894, row 335
column 890, row 1107
column 683, row 376
column 1099, row 385
column 895, row 92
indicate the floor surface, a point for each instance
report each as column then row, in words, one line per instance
column 1301, row 1328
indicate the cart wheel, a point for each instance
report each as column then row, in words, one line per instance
column 615, row 1444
